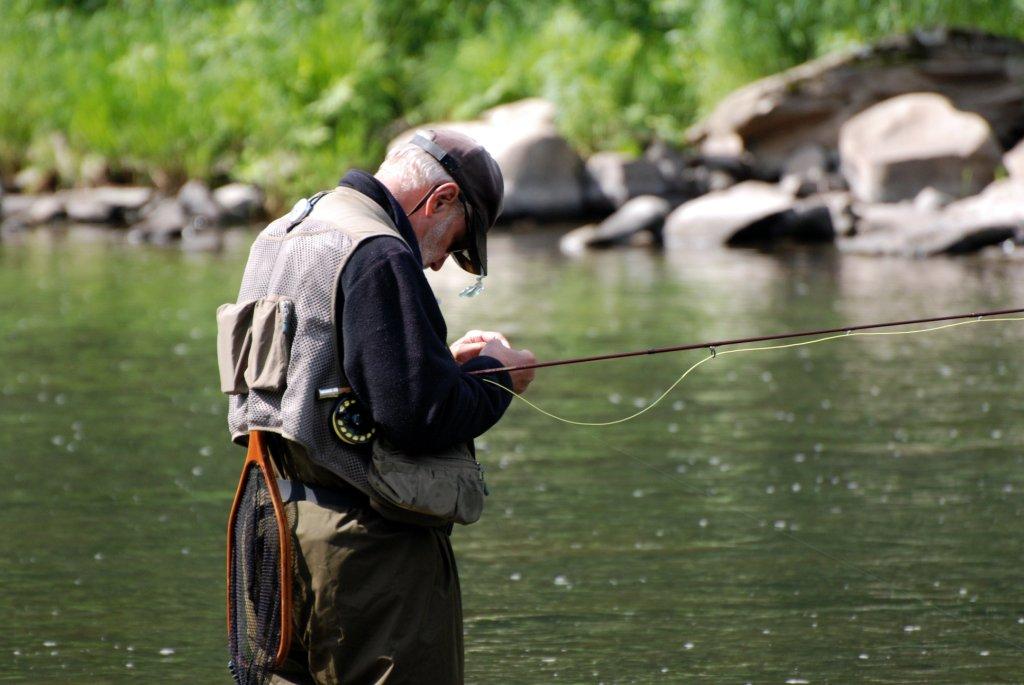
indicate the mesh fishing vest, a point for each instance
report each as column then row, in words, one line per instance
column 289, row 289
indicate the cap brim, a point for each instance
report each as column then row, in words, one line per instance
column 474, row 259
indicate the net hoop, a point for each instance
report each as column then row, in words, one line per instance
column 257, row 457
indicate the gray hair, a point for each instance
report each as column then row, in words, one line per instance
column 410, row 167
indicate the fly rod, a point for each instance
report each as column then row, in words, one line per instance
column 739, row 341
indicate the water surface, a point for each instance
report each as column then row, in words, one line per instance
column 844, row 512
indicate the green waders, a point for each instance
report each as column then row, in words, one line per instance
column 374, row 601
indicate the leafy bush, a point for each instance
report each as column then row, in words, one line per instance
column 290, row 94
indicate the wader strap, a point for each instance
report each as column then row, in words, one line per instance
column 295, row 491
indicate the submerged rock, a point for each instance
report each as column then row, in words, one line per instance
column 719, row 218
column 641, row 215
column 892, row 151
column 967, row 225
column 752, row 212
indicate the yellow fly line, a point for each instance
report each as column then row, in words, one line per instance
column 763, row 348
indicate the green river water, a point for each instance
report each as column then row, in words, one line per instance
column 845, row 512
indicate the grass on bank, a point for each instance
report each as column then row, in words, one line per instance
column 289, row 94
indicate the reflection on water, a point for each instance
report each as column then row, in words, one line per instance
column 843, row 512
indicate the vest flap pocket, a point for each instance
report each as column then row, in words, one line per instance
column 234, row 338
column 436, row 487
column 273, row 322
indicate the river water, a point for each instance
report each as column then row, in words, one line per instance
column 842, row 512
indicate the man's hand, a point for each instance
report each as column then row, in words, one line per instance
column 500, row 350
column 469, row 346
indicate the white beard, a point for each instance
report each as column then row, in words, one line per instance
column 432, row 245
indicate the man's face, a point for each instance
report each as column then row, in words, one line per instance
column 441, row 228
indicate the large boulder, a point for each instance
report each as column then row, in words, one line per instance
column 543, row 175
column 641, row 216
column 775, row 116
column 906, row 229
column 895, row 149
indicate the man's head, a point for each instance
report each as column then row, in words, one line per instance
column 451, row 189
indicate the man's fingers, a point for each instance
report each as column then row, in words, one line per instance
column 475, row 336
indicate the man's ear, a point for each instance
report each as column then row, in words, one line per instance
column 445, row 196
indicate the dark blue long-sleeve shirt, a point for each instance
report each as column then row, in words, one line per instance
column 394, row 337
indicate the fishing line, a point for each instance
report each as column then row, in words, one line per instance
column 715, row 354
column 787, row 534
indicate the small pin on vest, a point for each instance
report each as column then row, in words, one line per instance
column 473, row 290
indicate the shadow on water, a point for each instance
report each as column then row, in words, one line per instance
column 835, row 513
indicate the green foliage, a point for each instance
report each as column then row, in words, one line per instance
column 289, row 94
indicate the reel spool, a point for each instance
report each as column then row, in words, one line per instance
column 349, row 420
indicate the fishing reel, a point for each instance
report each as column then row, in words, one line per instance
column 349, row 420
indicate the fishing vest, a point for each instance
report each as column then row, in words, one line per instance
column 277, row 344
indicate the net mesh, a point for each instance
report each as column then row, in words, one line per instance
column 254, row 601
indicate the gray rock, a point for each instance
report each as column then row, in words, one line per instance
column 125, row 198
column 809, row 161
column 812, row 169
column 44, row 209
column 197, row 200
column 84, row 207
column 107, row 204
column 775, row 116
column 615, row 178
column 543, row 174
column 744, row 212
column 644, row 214
column 967, row 225
column 162, row 223
column 893, row 150
column 240, row 201
column 16, row 203
column 682, row 174
column 1014, row 160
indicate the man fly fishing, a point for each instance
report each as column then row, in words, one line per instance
column 361, row 421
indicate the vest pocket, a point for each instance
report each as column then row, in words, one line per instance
column 273, row 323
column 234, row 340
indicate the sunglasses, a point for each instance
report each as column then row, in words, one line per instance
column 465, row 241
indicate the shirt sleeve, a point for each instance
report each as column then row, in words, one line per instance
column 396, row 357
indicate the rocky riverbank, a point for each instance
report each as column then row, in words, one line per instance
column 909, row 147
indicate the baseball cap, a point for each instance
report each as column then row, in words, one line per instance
column 479, row 179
